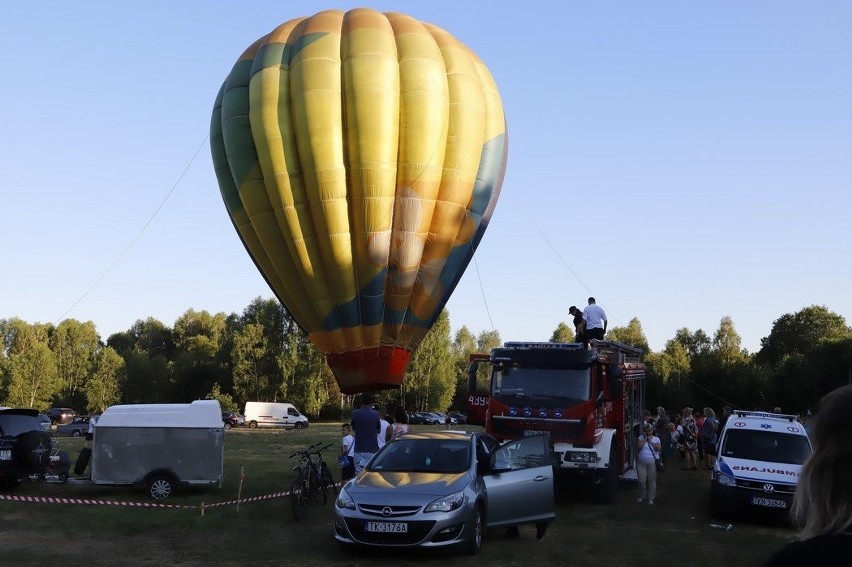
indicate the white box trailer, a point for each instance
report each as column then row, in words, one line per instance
column 159, row 446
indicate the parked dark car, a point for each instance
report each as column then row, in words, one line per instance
column 232, row 419
column 423, row 418
column 458, row 416
column 45, row 422
column 24, row 446
column 77, row 427
column 60, row 415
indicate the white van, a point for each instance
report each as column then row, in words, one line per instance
column 274, row 414
column 757, row 469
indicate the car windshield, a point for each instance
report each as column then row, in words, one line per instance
column 766, row 446
column 559, row 384
column 423, row 455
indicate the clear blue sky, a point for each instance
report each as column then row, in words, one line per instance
column 680, row 161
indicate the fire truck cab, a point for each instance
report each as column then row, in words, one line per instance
column 589, row 400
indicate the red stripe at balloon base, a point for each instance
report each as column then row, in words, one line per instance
column 369, row 369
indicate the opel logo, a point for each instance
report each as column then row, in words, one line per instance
column 386, row 511
column 768, row 488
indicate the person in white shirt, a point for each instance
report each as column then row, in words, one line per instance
column 595, row 319
column 384, row 425
column 347, row 453
column 649, row 451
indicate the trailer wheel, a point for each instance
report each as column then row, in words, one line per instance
column 82, row 460
column 160, row 486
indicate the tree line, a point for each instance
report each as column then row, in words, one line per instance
column 261, row 354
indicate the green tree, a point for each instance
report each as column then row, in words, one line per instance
column 668, row 375
column 200, row 333
column 33, row 379
column 562, row 334
column 632, row 335
column 464, row 345
column 251, row 377
column 148, row 378
column 430, row 379
column 103, row 388
column 226, row 401
column 488, row 341
column 800, row 332
column 727, row 343
column 312, row 384
column 75, row 346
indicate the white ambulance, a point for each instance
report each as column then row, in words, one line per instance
column 759, row 456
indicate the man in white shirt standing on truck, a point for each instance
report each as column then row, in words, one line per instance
column 595, row 319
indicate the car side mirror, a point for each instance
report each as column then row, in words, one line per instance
column 499, row 465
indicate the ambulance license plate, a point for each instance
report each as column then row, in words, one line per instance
column 387, row 527
column 768, row 502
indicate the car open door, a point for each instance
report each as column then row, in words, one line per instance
column 520, row 483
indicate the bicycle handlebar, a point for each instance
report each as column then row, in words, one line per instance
column 314, row 449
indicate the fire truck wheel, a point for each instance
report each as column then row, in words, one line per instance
column 608, row 480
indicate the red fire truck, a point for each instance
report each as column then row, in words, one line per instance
column 590, row 401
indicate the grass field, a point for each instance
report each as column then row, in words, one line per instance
column 675, row 532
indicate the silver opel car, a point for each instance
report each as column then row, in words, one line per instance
column 444, row 488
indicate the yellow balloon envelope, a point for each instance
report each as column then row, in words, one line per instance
column 360, row 156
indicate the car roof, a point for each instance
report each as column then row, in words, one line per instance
column 765, row 421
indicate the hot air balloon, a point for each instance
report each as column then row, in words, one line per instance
column 360, row 156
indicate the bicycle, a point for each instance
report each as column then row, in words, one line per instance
column 312, row 479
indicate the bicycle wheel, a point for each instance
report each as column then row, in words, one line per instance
column 327, row 479
column 319, row 489
column 299, row 497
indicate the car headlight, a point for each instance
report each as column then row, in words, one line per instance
column 344, row 500
column 446, row 503
column 726, row 479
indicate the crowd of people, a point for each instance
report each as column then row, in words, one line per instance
column 371, row 427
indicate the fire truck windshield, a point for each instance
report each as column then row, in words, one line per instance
column 568, row 386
